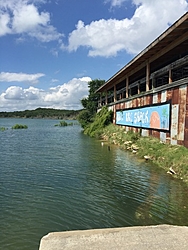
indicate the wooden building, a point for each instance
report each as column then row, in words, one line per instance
column 151, row 91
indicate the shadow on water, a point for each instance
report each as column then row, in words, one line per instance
column 57, row 179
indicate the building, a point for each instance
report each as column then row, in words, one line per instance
column 151, row 92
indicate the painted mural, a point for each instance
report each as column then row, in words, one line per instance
column 153, row 117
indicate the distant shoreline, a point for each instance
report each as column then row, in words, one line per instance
column 42, row 113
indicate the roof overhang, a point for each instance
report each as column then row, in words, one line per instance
column 172, row 41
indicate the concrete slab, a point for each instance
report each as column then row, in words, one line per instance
column 160, row 237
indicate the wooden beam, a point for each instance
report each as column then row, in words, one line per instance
column 115, row 94
column 147, row 75
column 106, row 101
column 127, row 86
column 170, row 76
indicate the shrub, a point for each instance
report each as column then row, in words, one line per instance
column 101, row 119
column 63, row 123
column 3, row 128
column 19, row 126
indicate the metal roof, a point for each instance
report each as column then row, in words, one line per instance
column 170, row 43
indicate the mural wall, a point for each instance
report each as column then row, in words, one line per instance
column 150, row 117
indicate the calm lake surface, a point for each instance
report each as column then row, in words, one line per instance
column 57, row 179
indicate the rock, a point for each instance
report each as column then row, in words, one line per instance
column 171, row 171
column 147, row 157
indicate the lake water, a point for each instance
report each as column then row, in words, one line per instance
column 57, row 179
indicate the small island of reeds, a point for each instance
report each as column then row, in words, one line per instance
column 19, row 126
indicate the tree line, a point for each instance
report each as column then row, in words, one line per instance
column 42, row 113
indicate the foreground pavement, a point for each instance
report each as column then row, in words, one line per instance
column 160, row 237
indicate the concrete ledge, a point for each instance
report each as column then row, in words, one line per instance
column 131, row 238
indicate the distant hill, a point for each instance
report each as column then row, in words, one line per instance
column 42, row 113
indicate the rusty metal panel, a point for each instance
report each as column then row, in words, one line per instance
column 148, row 99
column 134, row 103
column 186, row 122
column 138, row 101
column 186, row 119
column 182, row 111
column 175, row 96
column 156, row 134
column 174, row 124
column 186, row 138
column 180, row 142
column 117, row 106
column 142, row 101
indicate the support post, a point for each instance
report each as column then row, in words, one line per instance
column 100, row 99
column 106, row 101
column 115, row 94
column 138, row 87
column 147, row 75
column 170, row 76
column 127, row 86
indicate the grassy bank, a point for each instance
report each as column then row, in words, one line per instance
column 173, row 159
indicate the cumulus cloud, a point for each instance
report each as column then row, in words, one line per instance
column 65, row 96
column 20, row 77
column 108, row 37
column 24, row 17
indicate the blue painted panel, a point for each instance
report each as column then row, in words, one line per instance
column 156, row 116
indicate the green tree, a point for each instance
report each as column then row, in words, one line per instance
column 90, row 103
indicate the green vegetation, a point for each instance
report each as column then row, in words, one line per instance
column 19, row 126
column 87, row 116
column 43, row 113
column 3, row 128
column 101, row 120
column 150, row 149
column 64, row 124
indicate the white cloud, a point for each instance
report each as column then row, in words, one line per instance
column 55, row 80
column 115, row 3
column 108, row 37
column 23, row 17
column 65, row 96
column 20, row 77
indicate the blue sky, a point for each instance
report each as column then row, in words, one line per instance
column 50, row 49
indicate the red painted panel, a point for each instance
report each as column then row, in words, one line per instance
column 175, row 96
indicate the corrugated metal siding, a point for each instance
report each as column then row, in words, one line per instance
column 186, row 122
column 179, row 113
